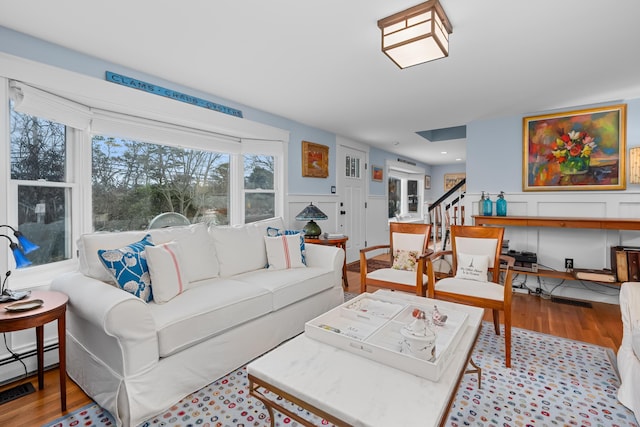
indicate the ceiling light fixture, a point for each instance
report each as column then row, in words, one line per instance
column 416, row 35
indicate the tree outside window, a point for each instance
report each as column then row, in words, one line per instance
column 134, row 181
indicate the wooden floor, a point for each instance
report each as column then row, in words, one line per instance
column 600, row 325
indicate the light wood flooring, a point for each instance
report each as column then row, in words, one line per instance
column 600, row 325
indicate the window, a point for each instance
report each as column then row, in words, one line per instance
column 39, row 180
column 259, row 189
column 134, row 181
column 75, row 169
column 403, row 191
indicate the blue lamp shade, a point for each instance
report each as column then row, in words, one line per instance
column 26, row 244
column 311, row 213
column 21, row 260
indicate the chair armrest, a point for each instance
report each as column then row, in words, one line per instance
column 436, row 255
column 509, row 260
column 373, row 248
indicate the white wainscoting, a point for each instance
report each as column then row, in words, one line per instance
column 589, row 248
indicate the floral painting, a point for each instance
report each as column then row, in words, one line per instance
column 577, row 150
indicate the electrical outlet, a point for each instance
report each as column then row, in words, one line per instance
column 568, row 263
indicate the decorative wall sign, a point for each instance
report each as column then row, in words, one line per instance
column 315, row 160
column 427, row 182
column 575, row 150
column 377, row 173
column 451, row 179
column 168, row 93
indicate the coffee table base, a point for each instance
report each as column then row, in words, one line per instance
column 255, row 384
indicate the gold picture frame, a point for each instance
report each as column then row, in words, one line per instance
column 451, row 179
column 575, row 150
column 315, row 160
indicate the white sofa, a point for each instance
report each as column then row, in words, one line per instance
column 629, row 351
column 136, row 359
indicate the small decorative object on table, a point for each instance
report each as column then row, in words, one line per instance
column 418, row 338
column 438, row 318
column 24, row 246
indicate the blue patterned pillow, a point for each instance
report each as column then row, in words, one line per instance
column 274, row 232
column 128, row 266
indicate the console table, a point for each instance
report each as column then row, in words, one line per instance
column 558, row 222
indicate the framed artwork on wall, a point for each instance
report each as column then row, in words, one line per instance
column 427, row 182
column 315, row 160
column 377, row 173
column 575, row 150
column 451, row 179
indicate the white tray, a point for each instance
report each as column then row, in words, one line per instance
column 369, row 325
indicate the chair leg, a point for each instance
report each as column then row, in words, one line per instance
column 507, row 338
column 496, row 321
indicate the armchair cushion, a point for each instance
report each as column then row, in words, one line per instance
column 472, row 267
column 487, row 290
column 405, row 260
column 404, row 277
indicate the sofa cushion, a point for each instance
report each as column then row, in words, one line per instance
column 197, row 247
column 205, row 310
column 89, row 244
column 167, row 270
column 289, row 286
column 241, row 248
column 284, row 252
column 128, row 266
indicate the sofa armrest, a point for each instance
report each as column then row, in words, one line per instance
column 630, row 311
column 117, row 314
column 324, row 256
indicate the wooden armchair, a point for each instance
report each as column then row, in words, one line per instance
column 476, row 252
column 408, row 249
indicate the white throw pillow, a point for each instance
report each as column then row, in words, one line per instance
column 283, row 252
column 197, row 248
column 168, row 277
column 472, row 267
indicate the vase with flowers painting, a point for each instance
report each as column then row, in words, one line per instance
column 573, row 151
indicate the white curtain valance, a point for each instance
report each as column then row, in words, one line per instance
column 124, row 126
column 36, row 102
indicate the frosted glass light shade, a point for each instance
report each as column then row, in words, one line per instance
column 416, row 35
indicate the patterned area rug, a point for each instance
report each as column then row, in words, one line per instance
column 553, row 381
column 372, row 265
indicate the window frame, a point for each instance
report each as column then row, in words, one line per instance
column 253, row 138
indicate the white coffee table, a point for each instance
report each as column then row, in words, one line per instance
column 347, row 389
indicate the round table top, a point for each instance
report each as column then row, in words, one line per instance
column 51, row 301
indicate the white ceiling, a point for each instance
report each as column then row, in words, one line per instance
column 319, row 62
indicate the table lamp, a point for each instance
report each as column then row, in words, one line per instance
column 311, row 213
column 24, row 246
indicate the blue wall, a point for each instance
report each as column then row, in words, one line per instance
column 38, row 50
column 494, row 149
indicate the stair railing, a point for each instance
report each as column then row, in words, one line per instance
column 443, row 208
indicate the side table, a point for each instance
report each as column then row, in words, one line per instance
column 340, row 242
column 53, row 308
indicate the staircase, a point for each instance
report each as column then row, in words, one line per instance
column 444, row 212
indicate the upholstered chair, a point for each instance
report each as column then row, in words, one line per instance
column 476, row 274
column 408, row 249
